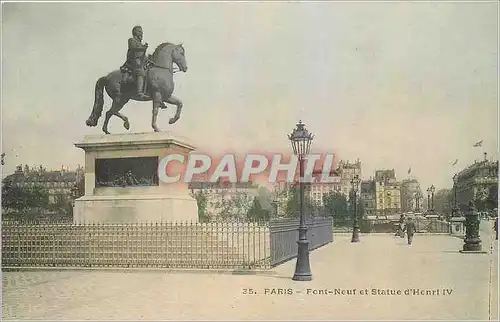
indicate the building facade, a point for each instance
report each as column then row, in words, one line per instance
column 410, row 192
column 387, row 192
column 339, row 182
column 478, row 183
column 368, row 197
column 316, row 189
column 346, row 171
column 60, row 184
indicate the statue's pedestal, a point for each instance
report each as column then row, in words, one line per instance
column 122, row 183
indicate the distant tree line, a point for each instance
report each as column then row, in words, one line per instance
column 238, row 206
column 242, row 207
column 33, row 202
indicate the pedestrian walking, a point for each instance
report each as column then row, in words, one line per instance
column 400, row 231
column 495, row 226
column 410, row 229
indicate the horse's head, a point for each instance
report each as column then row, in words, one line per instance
column 179, row 57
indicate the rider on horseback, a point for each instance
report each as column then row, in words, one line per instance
column 136, row 55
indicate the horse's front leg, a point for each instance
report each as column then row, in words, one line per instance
column 157, row 104
column 177, row 102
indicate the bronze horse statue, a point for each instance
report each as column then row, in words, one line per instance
column 159, row 87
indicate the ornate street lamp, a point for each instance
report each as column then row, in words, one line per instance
column 455, row 212
column 418, row 196
column 301, row 143
column 432, row 189
column 355, row 228
column 428, row 199
column 472, row 240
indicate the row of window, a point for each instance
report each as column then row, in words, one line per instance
column 45, row 184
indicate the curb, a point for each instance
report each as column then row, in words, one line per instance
column 262, row 272
column 380, row 234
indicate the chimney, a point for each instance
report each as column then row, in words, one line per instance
column 485, row 156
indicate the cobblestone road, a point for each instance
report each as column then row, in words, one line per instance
column 378, row 262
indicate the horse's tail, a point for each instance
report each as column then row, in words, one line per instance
column 98, row 102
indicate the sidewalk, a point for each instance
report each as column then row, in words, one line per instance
column 381, row 262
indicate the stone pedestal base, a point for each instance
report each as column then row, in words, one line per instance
column 123, row 182
column 135, row 209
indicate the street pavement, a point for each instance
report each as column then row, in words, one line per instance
column 429, row 280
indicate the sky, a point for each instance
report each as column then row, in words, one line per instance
column 397, row 85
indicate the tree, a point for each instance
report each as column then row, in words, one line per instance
column 292, row 206
column 230, row 206
column 239, row 204
column 202, row 202
column 443, row 201
column 23, row 199
column 486, row 199
column 336, row 206
column 80, row 187
column 360, row 208
column 265, row 199
column 62, row 204
column 492, row 199
column 257, row 212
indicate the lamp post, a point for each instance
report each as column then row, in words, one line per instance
column 355, row 228
column 455, row 212
column 432, row 197
column 418, row 195
column 472, row 240
column 428, row 199
column 301, row 143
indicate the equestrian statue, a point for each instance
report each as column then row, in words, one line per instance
column 142, row 78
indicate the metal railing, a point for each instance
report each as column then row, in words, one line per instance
column 229, row 244
column 167, row 245
column 436, row 226
column 284, row 236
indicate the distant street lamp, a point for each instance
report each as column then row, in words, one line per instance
column 428, row 199
column 418, row 196
column 432, row 197
column 455, row 212
column 301, row 143
column 355, row 228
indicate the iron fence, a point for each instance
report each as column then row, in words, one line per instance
column 284, row 236
column 163, row 245
column 230, row 244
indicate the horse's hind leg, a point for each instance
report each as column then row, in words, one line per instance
column 126, row 124
column 117, row 105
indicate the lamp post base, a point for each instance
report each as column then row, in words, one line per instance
column 473, row 252
column 302, row 267
column 355, row 235
column 472, row 245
